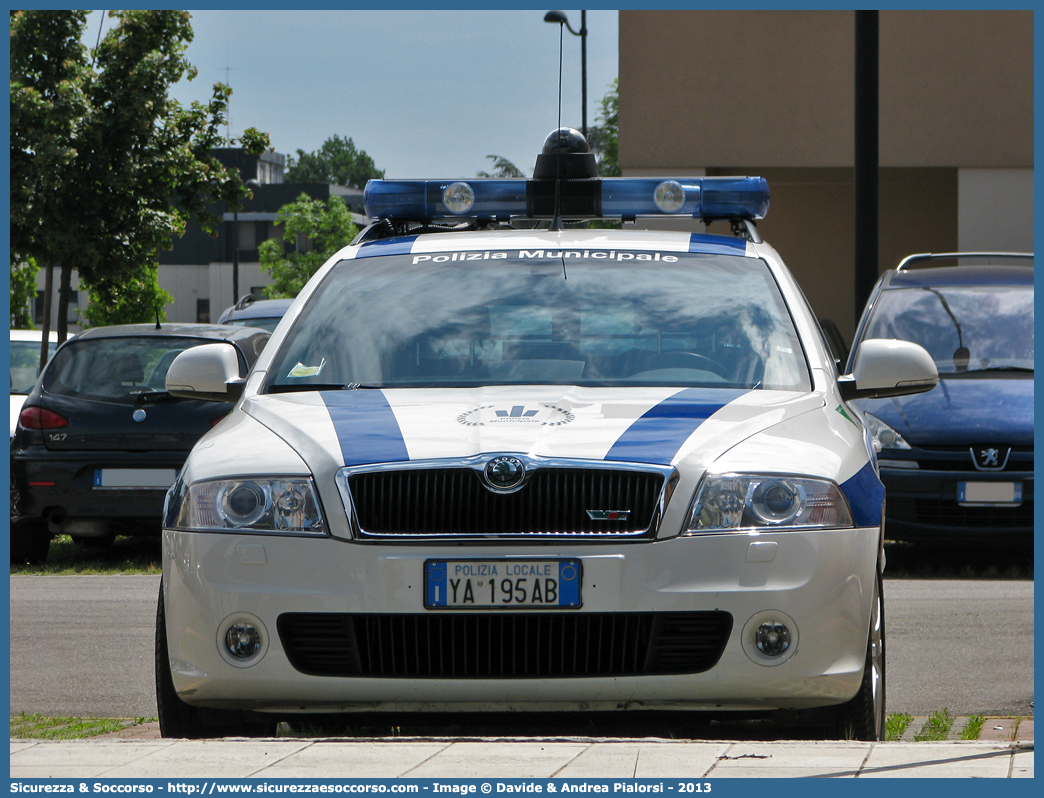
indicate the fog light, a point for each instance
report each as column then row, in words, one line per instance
column 243, row 640
column 772, row 638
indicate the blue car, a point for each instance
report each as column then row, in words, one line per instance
column 957, row 461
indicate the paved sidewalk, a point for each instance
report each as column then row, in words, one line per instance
column 454, row 758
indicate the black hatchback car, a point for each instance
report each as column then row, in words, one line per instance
column 99, row 439
column 957, row 461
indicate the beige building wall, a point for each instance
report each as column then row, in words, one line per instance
column 771, row 93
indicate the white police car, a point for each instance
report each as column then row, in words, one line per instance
column 482, row 468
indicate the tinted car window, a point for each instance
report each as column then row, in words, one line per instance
column 963, row 328
column 410, row 321
column 115, row 369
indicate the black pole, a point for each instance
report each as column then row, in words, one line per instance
column 866, row 157
column 235, row 254
column 583, row 69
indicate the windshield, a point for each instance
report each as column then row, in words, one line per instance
column 116, row 370
column 25, row 364
column 523, row 318
column 965, row 329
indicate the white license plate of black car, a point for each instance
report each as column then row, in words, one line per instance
column 502, row 584
column 134, row 478
column 985, row 494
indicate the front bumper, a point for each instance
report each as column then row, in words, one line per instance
column 820, row 581
column 922, row 507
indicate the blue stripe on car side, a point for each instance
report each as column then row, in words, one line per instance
column 366, row 427
column 716, row 245
column 386, row 246
column 865, row 492
column 658, row 435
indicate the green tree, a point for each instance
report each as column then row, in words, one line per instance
column 114, row 167
column 314, row 232
column 605, row 143
column 48, row 70
column 338, row 161
column 502, row 167
column 119, row 300
column 23, row 292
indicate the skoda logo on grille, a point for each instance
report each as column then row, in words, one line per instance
column 504, row 473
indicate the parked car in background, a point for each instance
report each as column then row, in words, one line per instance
column 252, row 312
column 25, row 366
column 99, row 440
column 957, row 461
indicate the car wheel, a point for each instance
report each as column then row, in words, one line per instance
column 863, row 718
column 30, row 542
column 178, row 719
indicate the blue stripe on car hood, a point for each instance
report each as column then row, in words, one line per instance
column 366, row 427
column 657, row 436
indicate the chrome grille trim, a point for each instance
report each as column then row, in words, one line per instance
column 538, row 469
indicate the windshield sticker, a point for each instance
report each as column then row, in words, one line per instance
column 545, row 254
column 301, row 370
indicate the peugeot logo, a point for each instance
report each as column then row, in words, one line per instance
column 504, row 474
column 990, row 458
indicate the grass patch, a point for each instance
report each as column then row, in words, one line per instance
column 971, row 731
column 127, row 555
column 40, row 727
column 936, row 727
column 896, row 724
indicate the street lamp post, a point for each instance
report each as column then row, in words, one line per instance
column 562, row 19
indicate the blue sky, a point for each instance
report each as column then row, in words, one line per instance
column 425, row 93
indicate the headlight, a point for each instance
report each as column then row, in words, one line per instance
column 883, row 436
column 279, row 505
column 734, row 502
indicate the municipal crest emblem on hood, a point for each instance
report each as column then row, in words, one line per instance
column 537, row 413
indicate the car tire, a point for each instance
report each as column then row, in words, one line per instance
column 30, row 542
column 863, row 718
column 181, row 720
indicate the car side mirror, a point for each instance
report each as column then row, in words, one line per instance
column 209, row 372
column 886, row 367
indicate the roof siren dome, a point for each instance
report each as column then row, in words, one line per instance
column 565, row 155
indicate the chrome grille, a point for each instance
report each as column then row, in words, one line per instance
column 504, row 645
column 555, row 501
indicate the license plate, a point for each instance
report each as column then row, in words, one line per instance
column 989, row 493
column 134, row 478
column 502, row 584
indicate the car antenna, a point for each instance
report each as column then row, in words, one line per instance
column 556, row 220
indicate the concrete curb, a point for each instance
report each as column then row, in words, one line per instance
column 456, row 758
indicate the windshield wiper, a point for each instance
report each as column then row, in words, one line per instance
column 1012, row 369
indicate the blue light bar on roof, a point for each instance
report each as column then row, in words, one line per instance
column 604, row 198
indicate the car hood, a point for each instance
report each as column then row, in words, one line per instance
column 644, row 425
column 962, row 410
